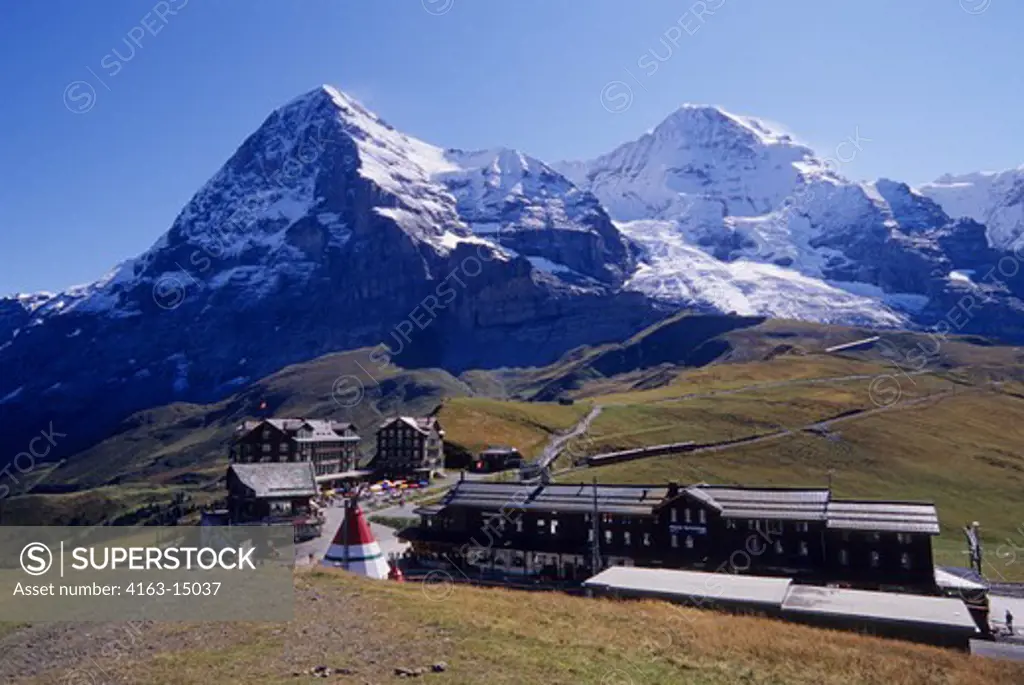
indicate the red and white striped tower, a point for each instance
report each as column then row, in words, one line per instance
column 354, row 548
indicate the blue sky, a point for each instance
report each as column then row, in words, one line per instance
column 934, row 87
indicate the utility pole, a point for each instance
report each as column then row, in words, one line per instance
column 595, row 550
column 344, row 525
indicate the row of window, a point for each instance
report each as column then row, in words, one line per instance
column 768, row 526
column 304, row 452
column 323, row 468
column 688, row 515
column 400, row 453
column 875, row 559
column 385, row 441
column 802, row 548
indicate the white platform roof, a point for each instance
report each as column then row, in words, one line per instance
column 695, row 585
column 888, row 607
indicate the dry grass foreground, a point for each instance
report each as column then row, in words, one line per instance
column 484, row 636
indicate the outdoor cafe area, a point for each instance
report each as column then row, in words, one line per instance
column 382, row 492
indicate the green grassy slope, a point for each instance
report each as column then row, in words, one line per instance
column 963, row 451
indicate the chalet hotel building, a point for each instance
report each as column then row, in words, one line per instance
column 409, row 447
column 563, row 531
column 331, row 447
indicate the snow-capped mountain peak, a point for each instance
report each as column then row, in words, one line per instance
column 695, row 120
column 698, row 154
column 995, row 199
column 710, row 196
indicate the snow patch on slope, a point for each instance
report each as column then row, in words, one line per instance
column 675, row 271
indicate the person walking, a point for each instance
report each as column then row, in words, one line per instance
column 1009, row 622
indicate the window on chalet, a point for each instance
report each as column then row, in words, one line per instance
column 730, row 524
column 647, row 539
column 590, row 535
column 903, row 538
column 802, row 527
column 675, row 541
column 519, row 525
column 627, row 539
column 803, row 549
column 266, row 433
column 702, row 516
column 876, row 559
column 687, row 515
column 554, row 526
column 541, row 525
column 844, row 557
column 674, row 516
column 778, row 546
column 689, row 542
column 266, row 447
column 905, row 560
column 607, row 536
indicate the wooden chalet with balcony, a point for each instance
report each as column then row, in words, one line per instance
column 573, row 531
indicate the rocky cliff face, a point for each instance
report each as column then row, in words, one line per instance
column 530, row 209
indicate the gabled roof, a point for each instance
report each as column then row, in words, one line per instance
column 320, row 430
column 421, row 424
column 277, row 479
column 778, row 504
column 763, row 503
column 896, row 517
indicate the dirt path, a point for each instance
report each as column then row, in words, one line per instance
column 559, row 441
